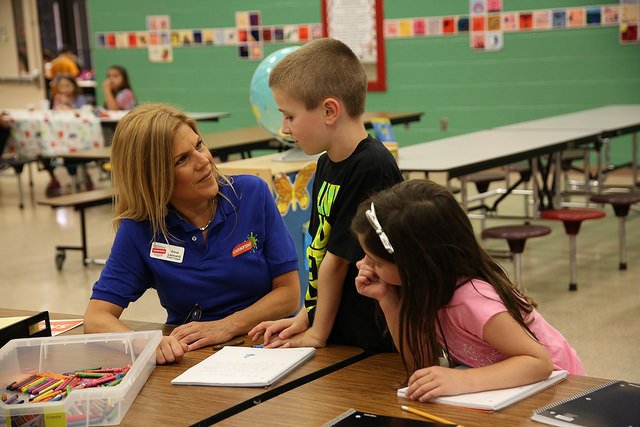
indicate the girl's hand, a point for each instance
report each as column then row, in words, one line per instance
column 170, row 350
column 106, row 85
column 428, row 383
column 200, row 334
column 368, row 283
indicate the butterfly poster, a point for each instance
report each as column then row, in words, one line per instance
column 290, row 195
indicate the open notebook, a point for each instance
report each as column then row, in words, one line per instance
column 494, row 400
column 244, row 367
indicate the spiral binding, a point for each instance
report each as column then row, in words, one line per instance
column 577, row 396
column 336, row 420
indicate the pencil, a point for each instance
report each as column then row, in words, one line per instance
column 428, row 416
column 236, row 342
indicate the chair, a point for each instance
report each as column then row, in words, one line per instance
column 483, row 180
column 621, row 202
column 572, row 219
column 516, row 236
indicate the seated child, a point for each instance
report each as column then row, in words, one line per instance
column 438, row 289
column 68, row 95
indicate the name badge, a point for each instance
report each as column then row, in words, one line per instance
column 166, row 252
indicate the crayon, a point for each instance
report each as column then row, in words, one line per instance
column 90, row 374
column 64, row 384
column 23, row 382
column 51, row 386
column 12, row 399
column 102, row 380
column 32, row 384
column 43, row 387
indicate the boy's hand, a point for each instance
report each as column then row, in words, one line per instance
column 308, row 338
column 368, row 283
column 200, row 334
column 170, row 350
column 428, row 383
column 282, row 329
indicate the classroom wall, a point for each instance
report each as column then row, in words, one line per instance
column 536, row 74
column 13, row 92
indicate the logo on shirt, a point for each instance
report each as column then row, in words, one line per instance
column 251, row 244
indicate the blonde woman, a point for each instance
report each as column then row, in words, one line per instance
column 216, row 250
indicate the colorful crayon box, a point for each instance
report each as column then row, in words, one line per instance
column 99, row 405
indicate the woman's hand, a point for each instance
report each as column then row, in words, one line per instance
column 368, row 283
column 170, row 350
column 200, row 334
column 428, row 383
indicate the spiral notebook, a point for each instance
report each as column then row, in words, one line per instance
column 494, row 400
column 615, row 403
column 245, row 367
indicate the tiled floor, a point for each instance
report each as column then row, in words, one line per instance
column 601, row 319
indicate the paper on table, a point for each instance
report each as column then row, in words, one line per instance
column 493, row 400
column 244, row 366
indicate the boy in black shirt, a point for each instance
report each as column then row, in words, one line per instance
column 320, row 90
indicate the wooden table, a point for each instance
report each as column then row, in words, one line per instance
column 160, row 403
column 370, row 385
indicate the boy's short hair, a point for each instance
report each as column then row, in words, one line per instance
column 320, row 69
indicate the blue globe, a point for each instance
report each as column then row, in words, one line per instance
column 263, row 105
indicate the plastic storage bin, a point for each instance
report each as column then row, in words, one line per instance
column 83, row 407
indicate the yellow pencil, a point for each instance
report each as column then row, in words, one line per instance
column 429, row 416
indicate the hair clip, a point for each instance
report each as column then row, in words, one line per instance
column 373, row 220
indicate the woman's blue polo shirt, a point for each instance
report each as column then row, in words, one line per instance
column 247, row 246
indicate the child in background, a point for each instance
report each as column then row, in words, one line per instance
column 118, row 94
column 321, row 90
column 439, row 289
column 68, row 96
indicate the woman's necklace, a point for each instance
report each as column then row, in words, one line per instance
column 213, row 213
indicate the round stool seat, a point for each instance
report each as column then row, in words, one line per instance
column 483, row 179
column 572, row 218
column 523, row 168
column 568, row 156
column 516, row 235
column 621, row 202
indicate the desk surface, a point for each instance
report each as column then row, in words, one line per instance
column 396, row 118
column 610, row 121
column 473, row 152
column 262, row 162
column 370, row 385
column 111, row 116
column 250, row 137
column 160, row 403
